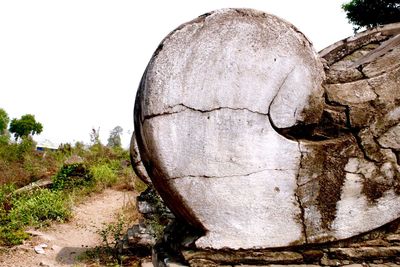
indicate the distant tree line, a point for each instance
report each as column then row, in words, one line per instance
column 371, row 13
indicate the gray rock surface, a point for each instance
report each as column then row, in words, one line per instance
column 136, row 161
column 234, row 131
column 205, row 116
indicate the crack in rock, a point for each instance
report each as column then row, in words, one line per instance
column 226, row 176
column 185, row 107
column 296, row 195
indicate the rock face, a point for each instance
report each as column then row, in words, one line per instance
column 136, row 161
column 351, row 184
column 205, row 116
column 237, row 137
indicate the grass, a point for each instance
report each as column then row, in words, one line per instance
column 37, row 208
column 20, row 164
column 104, row 174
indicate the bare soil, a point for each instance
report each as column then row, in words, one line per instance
column 67, row 241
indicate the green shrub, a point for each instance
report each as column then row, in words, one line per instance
column 38, row 208
column 72, row 175
column 11, row 237
column 104, row 175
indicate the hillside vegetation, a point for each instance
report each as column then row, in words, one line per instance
column 70, row 173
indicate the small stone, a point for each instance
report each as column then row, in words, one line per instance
column 391, row 139
column 39, row 250
column 393, row 238
column 144, row 207
column 326, row 261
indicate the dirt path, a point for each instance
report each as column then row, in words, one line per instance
column 67, row 241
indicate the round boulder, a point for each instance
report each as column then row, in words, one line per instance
column 209, row 114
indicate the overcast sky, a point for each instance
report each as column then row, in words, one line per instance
column 76, row 64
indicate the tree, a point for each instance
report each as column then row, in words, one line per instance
column 4, row 120
column 114, row 140
column 95, row 136
column 25, row 126
column 371, row 13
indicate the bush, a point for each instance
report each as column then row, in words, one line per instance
column 104, row 175
column 35, row 208
column 72, row 175
column 39, row 208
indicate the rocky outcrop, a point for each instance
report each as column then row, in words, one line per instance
column 206, row 119
column 136, row 161
column 354, row 184
column 245, row 141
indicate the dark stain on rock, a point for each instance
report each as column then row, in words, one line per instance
column 326, row 162
column 374, row 190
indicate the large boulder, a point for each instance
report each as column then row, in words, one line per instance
column 243, row 139
column 207, row 119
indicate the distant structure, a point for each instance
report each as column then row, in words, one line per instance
column 46, row 145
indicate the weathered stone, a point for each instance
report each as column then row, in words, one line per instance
column 234, row 132
column 382, row 64
column 365, row 253
column 312, row 256
column 343, row 75
column 202, row 263
column 326, row 261
column 393, row 238
column 74, row 159
column 350, row 93
column 369, row 193
column 245, row 257
column 136, row 161
column 206, row 116
column 374, row 243
column 141, row 236
column 391, row 139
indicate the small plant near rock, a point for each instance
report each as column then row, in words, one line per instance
column 104, row 175
column 72, row 175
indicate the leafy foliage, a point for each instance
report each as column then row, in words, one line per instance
column 104, row 175
column 72, row 175
column 114, row 140
column 35, row 208
column 25, row 126
column 20, row 164
column 39, row 207
column 4, row 120
column 370, row 13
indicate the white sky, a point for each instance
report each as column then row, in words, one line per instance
column 76, row 64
